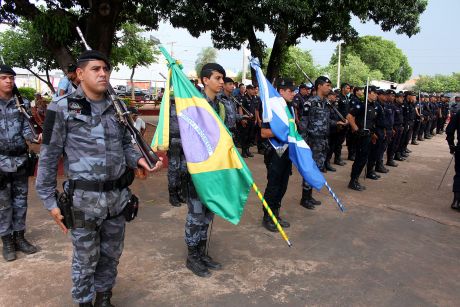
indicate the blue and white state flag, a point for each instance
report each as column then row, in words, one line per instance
column 276, row 112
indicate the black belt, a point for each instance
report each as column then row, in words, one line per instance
column 103, row 186
column 15, row 152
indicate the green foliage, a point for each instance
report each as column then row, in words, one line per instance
column 27, row 93
column 133, row 50
column 206, row 55
column 380, row 55
column 438, row 83
column 289, row 68
column 353, row 71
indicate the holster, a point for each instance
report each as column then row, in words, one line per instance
column 131, row 208
column 64, row 203
column 31, row 163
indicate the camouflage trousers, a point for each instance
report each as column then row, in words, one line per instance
column 177, row 166
column 198, row 218
column 13, row 201
column 96, row 254
column 319, row 148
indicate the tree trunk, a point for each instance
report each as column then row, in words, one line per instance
column 132, row 83
column 278, row 51
column 100, row 25
column 49, row 84
column 257, row 51
column 48, row 81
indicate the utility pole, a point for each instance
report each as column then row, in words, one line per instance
column 338, row 65
column 172, row 46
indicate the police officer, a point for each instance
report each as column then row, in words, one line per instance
column 199, row 216
column 409, row 112
column 232, row 116
column 14, row 132
column 365, row 131
column 299, row 99
column 315, row 123
column 279, row 167
column 455, row 106
column 344, row 104
column 452, row 128
column 98, row 159
column 398, row 130
column 177, row 165
column 336, row 127
column 443, row 113
column 379, row 141
column 356, row 98
column 249, row 102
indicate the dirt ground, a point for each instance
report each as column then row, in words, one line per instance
column 397, row 244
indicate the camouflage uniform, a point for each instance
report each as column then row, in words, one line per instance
column 96, row 148
column 232, row 117
column 177, row 166
column 14, row 132
column 314, row 124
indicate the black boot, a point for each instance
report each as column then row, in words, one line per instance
column 195, row 264
column 9, row 252
column 351, row 157
column 248, row 153
column 392, row 163
column 403, row 155
column 22, row 244
column 283, row 223
column 89, row 304
column 206, row 259
column 414, row 142
column 408, row 151
column 354, row 185
column 103, row 299
column 379, row 168
column 314, row 201
column 306, row 199
column 329, row 167
column 372, row 175
column 456, row 203
column 267, row 222
column 339, row 161
column 243, row 153
column 174, row 199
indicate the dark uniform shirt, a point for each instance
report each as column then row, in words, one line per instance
column 358, row 112
column 398, row 115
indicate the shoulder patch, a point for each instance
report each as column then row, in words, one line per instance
column 78, row 106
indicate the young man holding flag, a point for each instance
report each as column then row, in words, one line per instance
column 279, row 167
column 199, row 216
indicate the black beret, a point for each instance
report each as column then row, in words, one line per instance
column 399, row 94
column 6, row 70
column 303, row 85
column 250, row 87
column 332, row 93
column 93, row 55
column 212, row 67
column 321, row 80
column 390, row 92
column 410, row 93
column 227, row 80
column 71, row 68
column 380, row 91
column 285, row 83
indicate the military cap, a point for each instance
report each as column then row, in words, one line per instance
column 71, row 68
column 285, row 83
column 322, row 80
column 302, row 85
column 372, row 88
column 410, row 93
column 380, row 91
column 211, row 67
column 227, row 80
column 332, row 93
column 6, row 70
column 390, row 92
column 250, row 87
column 93, row 55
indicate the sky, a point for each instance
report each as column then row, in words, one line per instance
column 435, row 50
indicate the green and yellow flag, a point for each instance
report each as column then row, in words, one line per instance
column 221, row 177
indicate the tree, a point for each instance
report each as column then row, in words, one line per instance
column 353, row 71
column 379, row 54
column 233, row 22
column 134, row 51
column 289, row 68
column 206, row 55
column 22, row 48
column 438, row 83
column 99, row 20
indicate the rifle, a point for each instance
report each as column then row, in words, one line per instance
column 31, row 122
column 126, row 120
column 241, row 106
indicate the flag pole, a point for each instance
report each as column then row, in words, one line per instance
column 270, row 213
